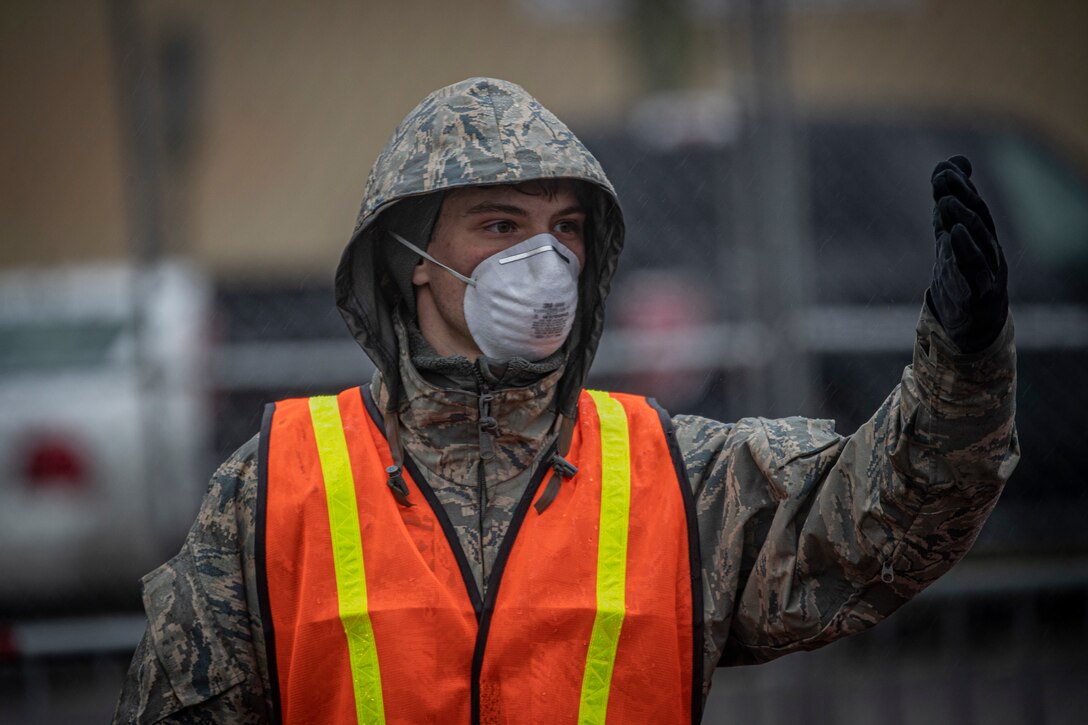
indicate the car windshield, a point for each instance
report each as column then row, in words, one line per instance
column 44, row 346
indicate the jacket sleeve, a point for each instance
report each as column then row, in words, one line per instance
column 807, row 536
column 201, row 657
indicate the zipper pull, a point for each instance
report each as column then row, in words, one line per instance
column 887, row 574
column 489, row 427
column 398, row 486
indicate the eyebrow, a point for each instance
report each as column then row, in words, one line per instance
column 493, row 207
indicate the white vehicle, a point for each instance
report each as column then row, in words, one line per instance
column 103, row 437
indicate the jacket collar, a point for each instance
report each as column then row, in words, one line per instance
column 443, row 403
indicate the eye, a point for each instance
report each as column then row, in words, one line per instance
column 503, row 226
column 568, row 226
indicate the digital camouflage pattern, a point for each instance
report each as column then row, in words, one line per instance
column 805, row 535
column 201, row 659
column 500, row 135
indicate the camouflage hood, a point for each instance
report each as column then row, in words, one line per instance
column 477, row 132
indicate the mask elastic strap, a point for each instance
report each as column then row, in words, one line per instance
column 420, row 252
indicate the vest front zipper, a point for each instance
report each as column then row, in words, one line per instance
column 493, row 579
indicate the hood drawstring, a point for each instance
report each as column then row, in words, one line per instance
column 396, row 478
column 562, row 468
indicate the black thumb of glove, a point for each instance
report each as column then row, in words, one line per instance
column 969, row 293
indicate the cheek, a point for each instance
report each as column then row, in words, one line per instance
column 449, row 294
column 471, row 262
column 466, row 261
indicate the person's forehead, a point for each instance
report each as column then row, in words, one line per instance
column 557, row 194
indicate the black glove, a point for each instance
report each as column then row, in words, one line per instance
column 969, row 293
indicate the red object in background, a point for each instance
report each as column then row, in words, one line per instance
column 8, row 649
column 55, row 463
column 662, row 304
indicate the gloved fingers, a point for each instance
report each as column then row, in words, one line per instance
column 952, row 212
column 962, row 163
column 957, row 164
column 951, row 182
column 970, row 263
column 950, row 288
column 969, row 291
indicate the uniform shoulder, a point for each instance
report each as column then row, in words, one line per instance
column 244, row 457
column 703, row 443
column 230, row 501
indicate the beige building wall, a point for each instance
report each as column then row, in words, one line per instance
column 1024, row 60
column 60, row 182
column 297, row 99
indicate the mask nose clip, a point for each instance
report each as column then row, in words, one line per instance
column 533, row 253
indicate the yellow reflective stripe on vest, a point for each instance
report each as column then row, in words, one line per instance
column 611, row 558
column 347, row 553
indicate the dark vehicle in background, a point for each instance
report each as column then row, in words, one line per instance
column 870, row 253
column 1000, row 638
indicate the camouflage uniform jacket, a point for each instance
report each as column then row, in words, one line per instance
column 805, row 535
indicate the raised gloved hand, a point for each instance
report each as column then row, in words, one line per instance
column 969, row 293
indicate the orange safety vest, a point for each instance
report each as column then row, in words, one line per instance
column 371, row 614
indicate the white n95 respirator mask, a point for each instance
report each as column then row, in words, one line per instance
column 521, row 301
